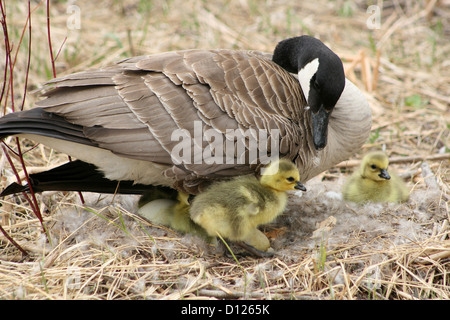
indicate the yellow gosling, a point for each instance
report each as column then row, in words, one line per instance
column 173, row 214
column 234, row 209
column 373, row 183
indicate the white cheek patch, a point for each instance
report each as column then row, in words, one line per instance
column 306, row 73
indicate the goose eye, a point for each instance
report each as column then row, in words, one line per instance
column 316, row 85
column 290, row 179
column 373, row 166
column 314, row 82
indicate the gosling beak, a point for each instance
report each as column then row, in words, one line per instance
column 384, row 174
column 320, row 127
column 299, row 186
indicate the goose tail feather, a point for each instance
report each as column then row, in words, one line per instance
column 77, row 176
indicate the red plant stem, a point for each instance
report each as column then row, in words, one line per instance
column 5, row 74
column 8, row 54
column 50, row 39
column 36, row 210
column 12, row 241
column 60, row 48
column 9, row 66
column 17, row 177
column 29, row 56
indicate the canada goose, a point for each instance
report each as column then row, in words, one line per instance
column 372, row 182
column 122, row 118
column 234, row 209
column 173, row 214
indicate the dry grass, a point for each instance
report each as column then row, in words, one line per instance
column 365, row 252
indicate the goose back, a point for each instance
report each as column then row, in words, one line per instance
column 133, row 108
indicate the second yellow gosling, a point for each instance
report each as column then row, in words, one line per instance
column 172, row 213
column 234, row 209
column 373, row 183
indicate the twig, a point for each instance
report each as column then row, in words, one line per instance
column 29, row 56
column 7, row 236
column 17, row 176
column 60, row 48
column 33, row 203
column 35, row 206
column 8, row 59
column 7, row 55
column 50, row 39
column 376, row 70
column 255, row 295
column 366, row 72
column 434, row 157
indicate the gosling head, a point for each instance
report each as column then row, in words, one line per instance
column 282, row 175
column 374, row 166
column 321, row 76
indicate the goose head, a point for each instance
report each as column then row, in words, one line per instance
column 374, row 166
column 282, row 175
column 321, row 76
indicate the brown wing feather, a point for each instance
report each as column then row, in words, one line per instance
column 133, row 108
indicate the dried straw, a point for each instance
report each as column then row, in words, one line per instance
column 367, row 252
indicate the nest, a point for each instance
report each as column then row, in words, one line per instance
column 325, row 248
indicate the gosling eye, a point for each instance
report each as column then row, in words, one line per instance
column 290, row 179
column 373, row 166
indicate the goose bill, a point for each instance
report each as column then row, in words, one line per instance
column 320, row 127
